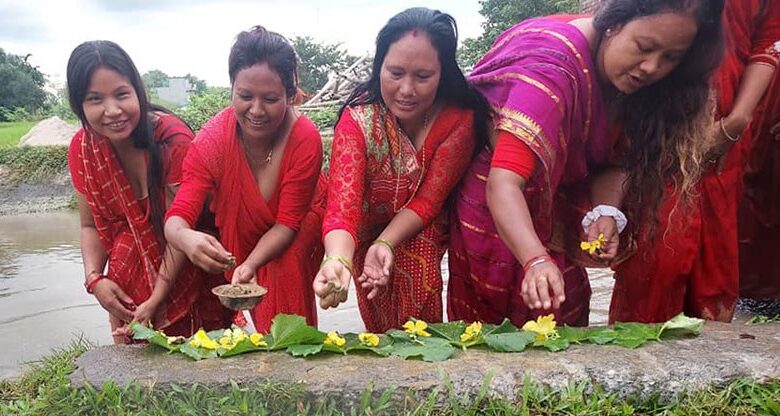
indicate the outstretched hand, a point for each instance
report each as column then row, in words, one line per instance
column 537, row 284
column 606, row 226
column 331, row 284
column 377, row 269
column 206, row 252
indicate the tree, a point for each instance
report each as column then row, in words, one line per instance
column 501, row 15
column 204, row 106
column 317, row 59
column 155, row 79
column 21, row 85
column 198, row 85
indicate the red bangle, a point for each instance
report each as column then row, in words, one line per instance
column 91, row 284
column 533, row 261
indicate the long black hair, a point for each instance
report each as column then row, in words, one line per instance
column 258, row 46
column 83, row 62
column 453, row 88
column 665, row 122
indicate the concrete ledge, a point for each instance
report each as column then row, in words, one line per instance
column 722, row 353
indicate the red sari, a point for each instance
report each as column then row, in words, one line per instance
column 692, row 266
column 217, row 164
column 375, row 172
column 759, row 222
column 128, row 236
column 538, row 78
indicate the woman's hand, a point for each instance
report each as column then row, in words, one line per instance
column 537, row 283
column 331, row 284
column 205, row 251
column 607, row 226
column 146, row 312
column 376, row 269
column 114, row 300
column 244, row 274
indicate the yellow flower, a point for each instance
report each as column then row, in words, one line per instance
column 257, row 339
column 543, row 326
column 334, row 339
column 368, row 339
column 227, row 343
column 416, row 328
column 594, row 246
column 201, row 340
column 472, row 332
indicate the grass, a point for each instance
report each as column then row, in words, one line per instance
column 33, row 163
column 44, row 390
column 10, row 133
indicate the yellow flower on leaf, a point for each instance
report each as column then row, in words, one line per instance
column 333, row 338
column 543, row 326
column 416, row 328
column 201, row 340
column 595, row 246
column 368, row 339
column 257, row 339
column 472, row 332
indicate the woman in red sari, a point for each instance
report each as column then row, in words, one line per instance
column 690, row 264
column 556, row 85
column 125, row 164
column 261, row 160
column 402, row 142
column 759, row 222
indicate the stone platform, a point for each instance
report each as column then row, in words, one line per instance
column 722, row 353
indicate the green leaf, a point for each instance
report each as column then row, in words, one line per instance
column 601, row 336
column 572, row 334
column 243, row 346
column 639, row 330
column 510, row 341
column 287, row 330
column 629, row 341
column 152, row 336
column 429, row 349
column 554, row 345
column 196, row 353
column 506, row 327
column 353, row 344
column 304, row 350
column 450, row 331
column 398, row 335
column 681, row 325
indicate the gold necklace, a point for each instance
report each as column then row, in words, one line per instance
column 398, row 169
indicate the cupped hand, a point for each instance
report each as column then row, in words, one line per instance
column 607, row 226
column 537, row 284
column 244, row 274
column 114, row 300
column 331, row 284
column 145, row 312
column 377, row 269
column 205, row 251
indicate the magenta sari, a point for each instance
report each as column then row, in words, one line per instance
column 540, row 80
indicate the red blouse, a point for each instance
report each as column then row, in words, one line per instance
column 514, row 155
column 376, row 171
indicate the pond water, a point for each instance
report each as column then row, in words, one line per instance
column 43, row 305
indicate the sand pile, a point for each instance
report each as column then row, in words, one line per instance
column 52, row 131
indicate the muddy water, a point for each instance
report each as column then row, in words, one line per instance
column 43, row 305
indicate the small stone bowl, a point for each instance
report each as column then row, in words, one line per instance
column 241, row 296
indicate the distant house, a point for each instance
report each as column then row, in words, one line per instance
column 177, row 91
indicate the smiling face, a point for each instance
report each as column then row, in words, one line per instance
column 260, row 102
column 111, row 104
column 410, row 76
column 645, row 50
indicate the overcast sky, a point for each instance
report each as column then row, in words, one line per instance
column 194, row 36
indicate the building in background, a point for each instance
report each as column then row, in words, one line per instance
column 177, row 91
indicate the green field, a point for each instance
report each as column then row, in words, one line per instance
column 10, row 133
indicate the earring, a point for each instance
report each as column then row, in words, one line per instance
column 608, row 32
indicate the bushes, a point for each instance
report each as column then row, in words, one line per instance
column 204, row 106
column 34, row 163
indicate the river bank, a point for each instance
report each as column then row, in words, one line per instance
column 34, row 179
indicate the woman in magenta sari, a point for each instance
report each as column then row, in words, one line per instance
column 553, row 175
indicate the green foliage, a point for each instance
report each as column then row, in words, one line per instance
column 10, row 133
column 198, row 85
column 316, row 60
column 155, row 79
column 503, row 14
column 21, row 85
column 287, row 330
column 204, row 106
column 324, row 118
column 34, row 163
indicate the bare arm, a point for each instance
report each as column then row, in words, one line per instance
column 270, row 246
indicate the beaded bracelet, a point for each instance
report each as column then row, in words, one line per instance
column 535, row 261
column 341, row 259
column 385, row 243
column 90, row 286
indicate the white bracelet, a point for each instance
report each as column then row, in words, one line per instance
column 604, row 211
